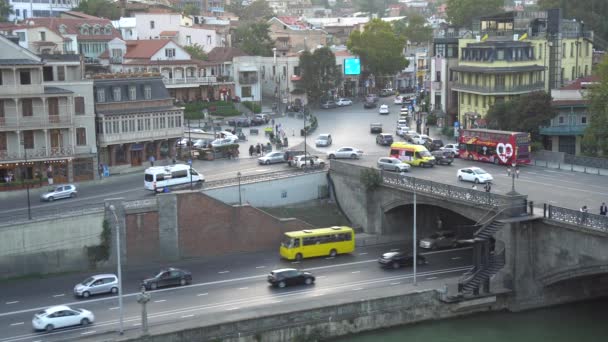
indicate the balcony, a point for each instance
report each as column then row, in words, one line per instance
column 35, row 122
column 116, row 60
column 563, row 130
column 498, row 89
column 36, row 154
column 130, row 137
column 248, row 79
column 189, row 81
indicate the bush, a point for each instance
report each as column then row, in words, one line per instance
column 448, row 131
column 431, row 119
column 371, row 178
column 254, row 107
column 536, row 146
column 194, row 110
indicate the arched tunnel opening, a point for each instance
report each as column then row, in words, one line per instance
column 585, row 286
column 429, row 219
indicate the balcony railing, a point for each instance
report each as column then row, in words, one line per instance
column 36, row 153
column 563, row 130
column 248, row 80
column 35, row 122
column 498, row 89
column 191, row 80
column 116, row 60
column 107, row 139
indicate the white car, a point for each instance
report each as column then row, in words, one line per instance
column 344, row 102
column 223, row 142
column 345, row 152
column 398, row 100
column 182, row 142
column 452, row 148
column 323, row 140
column 474, row 174
column 383, row 109
column 392, row 164
column 418, row 139
column 226, row 134
column 402, row 129
column 61, row 316
column 302, row 161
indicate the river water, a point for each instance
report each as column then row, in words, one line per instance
column 579, row 322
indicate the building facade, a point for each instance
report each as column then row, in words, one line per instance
column 135, row 120
column 181, row 29
column 24, row 9
column 46, row 117
column 292, row 35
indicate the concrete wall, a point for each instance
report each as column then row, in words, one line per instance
column 48, row 246
column 274, row 193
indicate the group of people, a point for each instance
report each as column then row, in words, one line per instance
column 487, row 187
column 258, row 149
column 603, row 209
column 9, row 177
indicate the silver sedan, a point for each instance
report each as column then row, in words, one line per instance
column 272, row 158
column 392, row 164
column 59, row 191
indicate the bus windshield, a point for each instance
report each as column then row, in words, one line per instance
column 425, row 153
column 149, row 177
column 288, row 242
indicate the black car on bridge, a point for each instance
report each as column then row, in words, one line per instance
column 168, row 277
column 397, row 259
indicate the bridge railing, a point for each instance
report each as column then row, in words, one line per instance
column 294, row 171
column 577, row 218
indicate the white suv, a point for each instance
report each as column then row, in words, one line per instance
column 304, row 161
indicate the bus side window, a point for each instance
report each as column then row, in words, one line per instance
column 394, row 152
column 348, row 236
column 417, row 154
column 409, row 153
column 160, row 177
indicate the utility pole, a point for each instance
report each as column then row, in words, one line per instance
column 415, row 244
column 119, row 267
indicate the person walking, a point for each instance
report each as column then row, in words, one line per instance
column 584, row 211
column 488, row 187
column 258, row 149
column 251, row 151
column 603, row 209
column 152, row 160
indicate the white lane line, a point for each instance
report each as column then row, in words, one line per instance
column 321, row 277
column 186, row 316
column 258, row 267
column 160, row 301
column 114, row 308
column 88, row 332
column 275, row 301
column 329, row 258
column 261, row 170
column 357, row 289
column 18, row 323
column 396, row 283
column 243, row 288
column 223, row 272
column 295, row 262
column 9, row 303
column 431, row 278
column 232, row 309
column 59, row 295
column 355, row 272
column 364, row 253
column 456, row 258
column 136, row 324
column 202, row 294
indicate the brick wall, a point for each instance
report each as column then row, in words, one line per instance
column 142, row 237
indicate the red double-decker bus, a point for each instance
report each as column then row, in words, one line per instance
column 493, row 146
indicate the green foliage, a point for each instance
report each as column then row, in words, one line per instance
column 99, row 8
column 196, row 51
column 431, row 119
column 536, row 146
column 592, row 12
column 448, row 131
column 595, row 139
column 253, row 39
column 194, row 110
column 101, row 252
column 462, row 12
column 525, row 113
column 371, row 178
column 256, row 11
column 6, row 9
column 319, row 72
column 190, row 9
column 413, row 29
column 312, row 124
column 380, row 49
column 252, row 106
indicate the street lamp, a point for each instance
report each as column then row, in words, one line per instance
column 415, row 245
column 190, row 152
column 514, row 172
column 238, row 176
column 119, row 267
column 27, row 184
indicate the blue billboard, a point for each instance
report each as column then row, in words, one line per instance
column 352, row 66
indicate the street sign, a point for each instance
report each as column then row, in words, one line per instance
column 456, row 124
column 456, row 129
column 190, row 162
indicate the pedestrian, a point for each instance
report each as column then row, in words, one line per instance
column 258, row 149
column 276, row 128
column 584, row 211
column 250, row 150
column 173, row 160
column 517, row 172
column 152, row 160
column 508, row 171
column 603, row 209
column 488, row 186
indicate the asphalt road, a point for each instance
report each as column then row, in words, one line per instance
column 220, row 286
column 349, row 126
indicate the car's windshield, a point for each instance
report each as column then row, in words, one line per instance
column 322, row 137
column 425, row 154
column 479, row 171
column 88, row 281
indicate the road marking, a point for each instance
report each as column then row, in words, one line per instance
column 354, row 272
column 202, row 294
column 318, row 294
column 321, row 277
column 59, row 295
column 232, row 309
column 136, row 324
column 394, row 249
column 186, row 316
column 396, row 283
column 9, row 303
column 275, row 301
column 260, row 267
column 243, row 288
column 260, row 170
column 456, row 258
column 295, row 262
column 88, row 332
column 431, row 278
column 357, row 289
column 223, row 272
column 18, row 323
column 329, row 258
column 160, row 301
column 115, row 308
column 364, row 253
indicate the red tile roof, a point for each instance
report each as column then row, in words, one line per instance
column 168, row 33
column 292, row 21
column 73, row 26
column 578, row 83
column 144, row 48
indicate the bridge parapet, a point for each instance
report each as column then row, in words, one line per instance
column 578, row 218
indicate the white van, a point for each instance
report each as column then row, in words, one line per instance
column 160, row 177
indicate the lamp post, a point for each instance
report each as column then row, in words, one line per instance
column 305, row 133
column 119, row 271
column 238, row 176
column 190, row 152
column 27, row 184
column 414, row 242
column 514, row 173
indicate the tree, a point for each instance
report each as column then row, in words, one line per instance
column 372, row 7
column 191, row 9
column 525, row 113
column 592, row 12
column 253, row 39
column 196, row 51
column 256, row 11
column 379, row 48
column 462, row 12
column 319, row 73
column 595, row 139
column 99, row 8
column 414, row 29
column 6, row 9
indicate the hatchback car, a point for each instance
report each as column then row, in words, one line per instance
column 345, row 152
column 97, row 284
column 329, row 104
column 61, row 316
column 383, row 110
column 344, row 102
column 323, row 140
column 369, row 104
column 290, row 276
column 272, row 158
column 440, row 239
column 443, row 157
column 384, row 139
column 375, row 128
column 396, row 259
column 168, row 277
column 452, row 148
column 392, row 164
column 474, row 174
column 435, row 144
column 59, row 191
column 304, row 161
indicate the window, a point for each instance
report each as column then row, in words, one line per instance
column 188, row 40
column 152, row 24
column 3, row 142
column 125, row 126
column 53, row 106
column 140, row 125
column 584, row 120
column 147, row 124
column 116, row 93
column 461, row 98
column 162, row 123
column 42, row 36
column 61, row 73
column 469, row 99
column 586, row 73
column 132, row 125
column 47, row 73
column 79, row 105
column 476, row 100
column 571, row 49
column 1, row 109
column 27, row 108
column 573, row 76
column 245, row 91
column 147, row 92
column 561, row 120
column 132, row 93
column 178, row 121
column 209, row 39
column 81, row 136
column 28, row 139
column 25, row 77
column 115, row 126
column 101, row 95
column 169, row 53
column 564, row 50
column 171, row 122
column 108, row 127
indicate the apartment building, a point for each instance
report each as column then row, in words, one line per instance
column 46, row 117
column 181, row 29
column 292, row 35
column 23, row 9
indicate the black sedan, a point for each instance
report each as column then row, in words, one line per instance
column 369, row 104
column 398, row 259
column 290, row 276
column 168, row 277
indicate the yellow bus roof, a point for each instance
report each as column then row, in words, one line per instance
column 319, row 231
column 408, row 145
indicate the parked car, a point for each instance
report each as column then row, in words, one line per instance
column 398, row 100
column 258, row 120
column 372, row 98
column 345, row 152
column 443, row 157
column 272, row 158
column 384, row 139
column 290, row 155
column 435, row 144
column 290, row 276
column 264, row 116
column 223, row 142
column 97, row 284
column 168, row 277
column 474, row 174
column 452, row 148
column 61, row 316
column 383, row 109
column 323, row 140
column 239, row 122
column 184, row 142
column 392, row 164
column 329, row 104
column 404, row 111
column 304, row 161
column 396, row 259
column 58, row 192
column 386, row 92
column 368, row 104
column 440, row 239
column 402, row 130
column 344, row 102
column 419, row 139
column 201, row 143
column 375, row 128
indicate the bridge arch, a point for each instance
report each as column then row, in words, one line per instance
column 572, row 273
